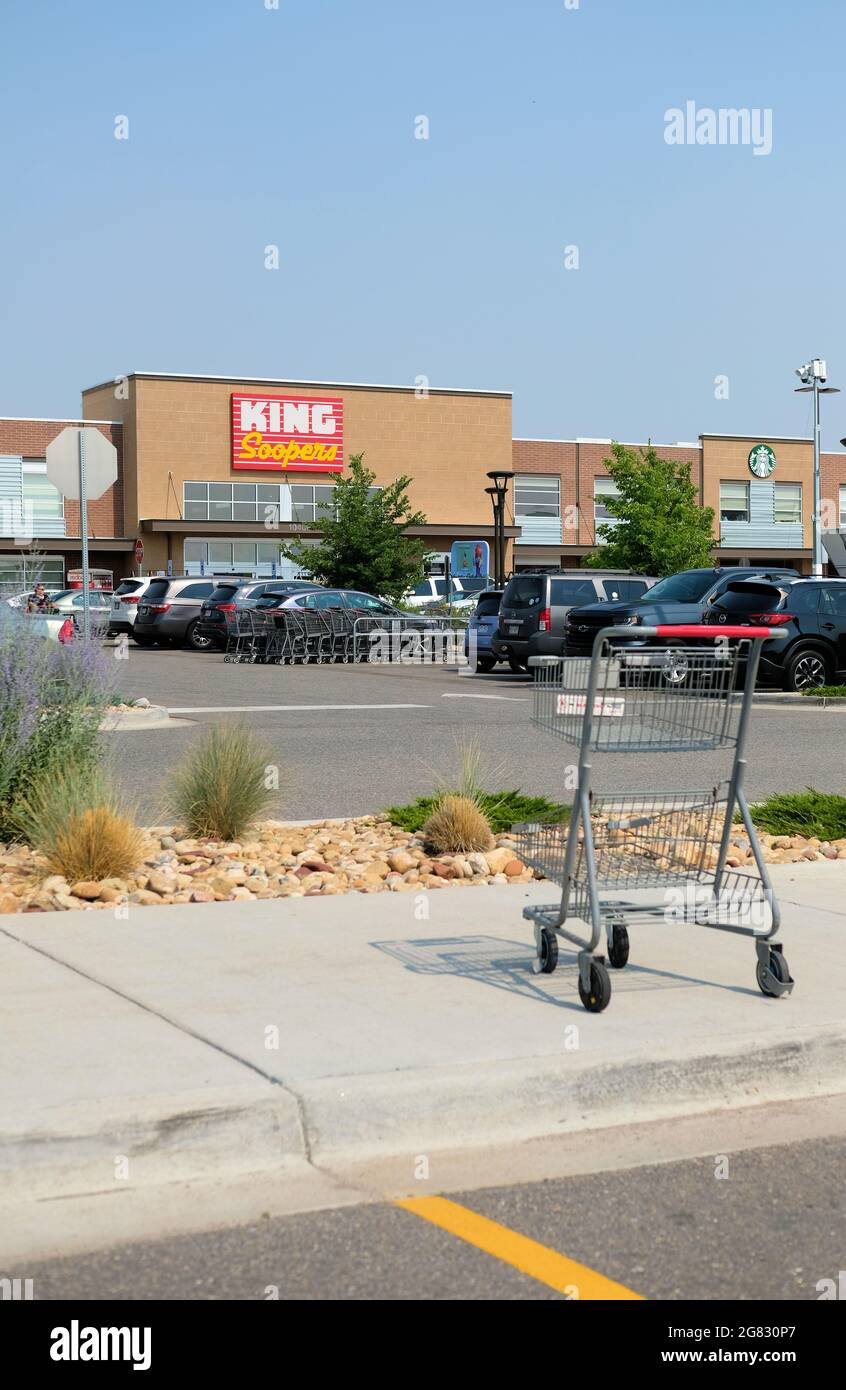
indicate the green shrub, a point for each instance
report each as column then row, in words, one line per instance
column 220, row 788
column 502, row 809
column 810, row 813
column 831, row 691
column 74, row 818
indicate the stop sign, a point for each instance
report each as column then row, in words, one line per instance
column 63, row 462
column 139, row 552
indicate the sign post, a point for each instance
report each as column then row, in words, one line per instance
column 139, row 555
column 82, row 463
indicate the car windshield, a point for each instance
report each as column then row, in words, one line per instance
column 488, row 605
column 688, row 587
column 128, row 586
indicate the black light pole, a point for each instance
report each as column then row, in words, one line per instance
column 494, row 494
column 500, row 477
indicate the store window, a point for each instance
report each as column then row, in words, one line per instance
column 233, row 501
column 536, row 494
column 842, row 507
column 309, row 502
column 255, row 558
column 788, row 503
column 47, row 502
column 603, row 488
column 734, row 501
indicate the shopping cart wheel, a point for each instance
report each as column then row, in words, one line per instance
column 548, row 953
column 618, row 946
column 598, row 996
column 778, row 965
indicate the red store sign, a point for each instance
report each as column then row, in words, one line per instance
column 305, row 433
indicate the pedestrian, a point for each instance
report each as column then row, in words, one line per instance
column 37, row 601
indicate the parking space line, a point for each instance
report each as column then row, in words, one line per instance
column 251, row 709
column 512, row 699
column 538, row 1261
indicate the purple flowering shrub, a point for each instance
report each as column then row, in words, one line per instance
column 52, row 699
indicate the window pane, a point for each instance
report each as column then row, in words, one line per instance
column 788, row 502
column 605, row 487
column 267, row 552
column 195, row 551
column 46, row 500
column 220, row 491
column 244, row 492
column 245, row 511
column 734, row 501
column 301, row 493
column 220, row 552
column 196, row 511
column 303, row 511
column 244, row 553
column 220, row 511
column 195, row 492
column 268, row 494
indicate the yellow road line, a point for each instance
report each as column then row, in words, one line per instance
column 538, row 1261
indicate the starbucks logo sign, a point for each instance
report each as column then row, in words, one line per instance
column 762, row 461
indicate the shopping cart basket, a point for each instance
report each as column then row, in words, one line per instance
column 666, row 852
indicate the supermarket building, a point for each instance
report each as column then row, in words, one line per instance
column 215, row 473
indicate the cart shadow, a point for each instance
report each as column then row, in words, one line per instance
column 489, row 961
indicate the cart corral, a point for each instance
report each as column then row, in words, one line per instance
column 293, row 636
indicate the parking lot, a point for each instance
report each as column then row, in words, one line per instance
column 352, row 739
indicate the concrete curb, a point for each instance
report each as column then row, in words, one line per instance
column 150, row 717
column 776, row 700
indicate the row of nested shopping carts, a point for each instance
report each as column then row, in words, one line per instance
column 652, row 855
column 291, row 636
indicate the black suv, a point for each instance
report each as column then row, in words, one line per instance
column 687, row 597
column 812, row 611
column 169, row 612
column 219, row 611
column 535, row 604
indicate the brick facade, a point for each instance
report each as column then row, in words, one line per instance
column 30, row 438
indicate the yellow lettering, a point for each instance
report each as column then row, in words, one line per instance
column 307, row 452
column 247, row 450
column 265, row 451
column 278, row 451
column 331, row 453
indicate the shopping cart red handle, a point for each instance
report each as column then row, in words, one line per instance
column 705, row 630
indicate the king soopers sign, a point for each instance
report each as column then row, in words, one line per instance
column 305, row 433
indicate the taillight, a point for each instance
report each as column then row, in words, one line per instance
column 128, row 598
column 159, row 607
column 544, row 620
column 225, row 607
column 771, row 619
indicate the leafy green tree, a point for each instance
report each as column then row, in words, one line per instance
column 660, row 527
column 363, row 545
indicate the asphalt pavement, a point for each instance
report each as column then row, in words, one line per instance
column 350, row 740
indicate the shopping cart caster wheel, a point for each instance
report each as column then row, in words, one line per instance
column 778, row 966
column 598, row 996
column 618, row 947
column 548, row 954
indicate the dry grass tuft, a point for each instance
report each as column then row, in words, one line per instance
column 224, row 784
column 457, row 825
column 74, row 819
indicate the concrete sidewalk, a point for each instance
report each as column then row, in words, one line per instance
column 225, row 1039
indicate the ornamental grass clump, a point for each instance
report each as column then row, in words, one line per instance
column 74, row 818
column 457, row 825
column 52, row 699
column 224, row 784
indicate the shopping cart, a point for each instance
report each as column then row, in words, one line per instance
column 658, row 855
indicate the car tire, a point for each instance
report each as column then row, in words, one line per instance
column 520, row 668
column 806, row 669
column 143, row 639
column 197, row 641
column 485, row 663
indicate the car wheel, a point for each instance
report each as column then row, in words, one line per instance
column 806, row 670
column 143, row 639
column 485, row 663
column 196, row 640
column 675, row 668
column 518, row 667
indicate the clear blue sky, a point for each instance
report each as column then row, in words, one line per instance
column 402, row 257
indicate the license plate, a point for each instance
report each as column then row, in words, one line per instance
column 512, row 628
column 116, row 603
column 143, row 610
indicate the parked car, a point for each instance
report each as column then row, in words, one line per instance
column 169, row 612
column 686, row 597
column 535, row 604
column 125, row 600
column 231, row 595
column 484, row 621
column 812, row 611
column 434, row 590
column 368, row 604
column 69, row 603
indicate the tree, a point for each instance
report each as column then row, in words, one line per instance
column 660, row 527
column 363, row 545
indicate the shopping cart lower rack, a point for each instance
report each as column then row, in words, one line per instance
column 660, row 856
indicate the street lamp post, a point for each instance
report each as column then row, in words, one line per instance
column 500, row 477
column 812, row 375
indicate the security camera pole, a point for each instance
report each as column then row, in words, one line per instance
column 812, row 375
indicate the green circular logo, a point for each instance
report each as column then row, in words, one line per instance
column 762, row 461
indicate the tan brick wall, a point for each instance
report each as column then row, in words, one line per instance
column 178, row 431
column 30, row 439
column 727, row 460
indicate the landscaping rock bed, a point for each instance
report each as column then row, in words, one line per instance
column 365, row 855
